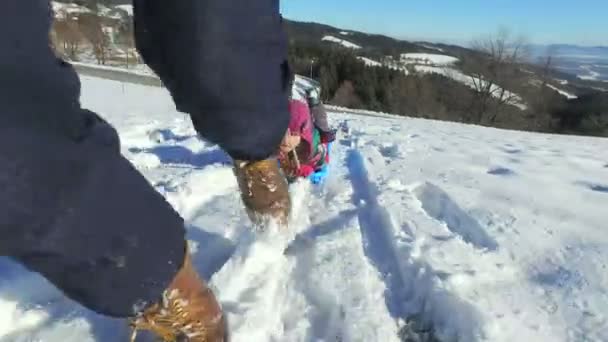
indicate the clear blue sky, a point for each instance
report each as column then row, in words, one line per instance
column 582, row 22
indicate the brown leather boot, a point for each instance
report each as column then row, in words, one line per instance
column 264, row 191
column 188, row 311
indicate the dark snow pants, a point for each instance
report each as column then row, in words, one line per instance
column 71, row 207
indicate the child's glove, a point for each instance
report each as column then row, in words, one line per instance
column 328, row 137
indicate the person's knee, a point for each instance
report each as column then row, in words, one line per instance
column 98, row 131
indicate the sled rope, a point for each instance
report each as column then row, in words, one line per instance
column 296, row 159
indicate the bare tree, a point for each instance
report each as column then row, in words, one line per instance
column 547, row 62
column 494, row 71
column 546, row 100
column 67, row 36
column 92, row 28
column 126, row 36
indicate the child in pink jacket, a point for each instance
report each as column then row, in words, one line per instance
column 303, row 150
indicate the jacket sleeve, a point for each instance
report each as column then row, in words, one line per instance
column 225, row 64
column 71, row 207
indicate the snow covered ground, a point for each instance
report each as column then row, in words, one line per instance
column 342, row 42
column 427, row 46
column 424, row 228
column 428, row 59
column 590, row 74
column 369, row 62
column 562, row 92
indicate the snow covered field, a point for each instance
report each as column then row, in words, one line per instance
column 369, row 62
column 424, row 228
column 428, row 59
column 342, row 42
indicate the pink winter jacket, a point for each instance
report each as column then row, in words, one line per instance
column 301, row 124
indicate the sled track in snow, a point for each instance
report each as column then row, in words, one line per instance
column 377, row 232
column 413, row 291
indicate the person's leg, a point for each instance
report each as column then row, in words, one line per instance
column 71, row 207
column 225, row 64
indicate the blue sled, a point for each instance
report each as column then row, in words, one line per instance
column 320, row 175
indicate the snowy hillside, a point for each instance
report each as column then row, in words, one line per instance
column 562, row 92
column 590, row 74
column 428, row 59
column 424, row 228
column 473, row 82
column 588, row 63
column 370, row 62
column 447, row 66
column 342, row 42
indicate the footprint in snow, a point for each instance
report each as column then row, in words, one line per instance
column 163, row 135
column 603, row 188
column 346, row 142
column 440, row 206
column 512, row 150
column 501, row 171
column 599, row 188
column 390, row 151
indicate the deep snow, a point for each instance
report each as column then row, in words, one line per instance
column 424, row 228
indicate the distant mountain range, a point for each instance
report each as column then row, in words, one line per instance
column 372, row 45
column 587, row 63
column 567, row 50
